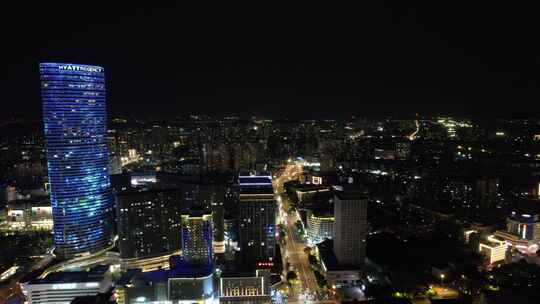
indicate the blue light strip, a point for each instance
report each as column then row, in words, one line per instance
column 74, row 117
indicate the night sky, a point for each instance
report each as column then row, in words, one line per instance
column 385, row 59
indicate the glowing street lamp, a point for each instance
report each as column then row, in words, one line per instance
column 442, row 279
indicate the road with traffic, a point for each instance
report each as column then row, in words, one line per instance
column 307, row 290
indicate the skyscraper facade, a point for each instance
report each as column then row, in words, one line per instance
column 74, row 117
column 148, row 222
column 257, row 218
column 350, row 227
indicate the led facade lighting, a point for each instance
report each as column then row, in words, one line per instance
column 197, row 238
column 74, row 116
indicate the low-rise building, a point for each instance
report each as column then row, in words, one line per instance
column 63, row 287
column 338, row 276
column 243, row 290
column 494, row 248
column 307, row 191
column 29, row 215
column 182, row 284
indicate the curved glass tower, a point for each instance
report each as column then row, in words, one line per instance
column 74, row 117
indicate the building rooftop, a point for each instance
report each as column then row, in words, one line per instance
column 246, row 190
column 322, row 209
column 349, row 192
column 40, row 201
column 527, row 206
column 181, row 270
column 95, row 274
column 310, row 187
column 493, row 241
column 254, row 180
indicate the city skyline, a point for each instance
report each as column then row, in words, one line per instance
column 397, row 160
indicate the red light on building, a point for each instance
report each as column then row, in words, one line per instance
column 265, row 264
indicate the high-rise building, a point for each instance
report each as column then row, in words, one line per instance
column 486, row 191
column 148, row 225
column 197, row 237
column 218, row 214
column 74, row 117
column 257, row 217
column 350, row 227
column 206, row 191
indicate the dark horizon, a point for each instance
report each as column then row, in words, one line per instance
column 390, row 59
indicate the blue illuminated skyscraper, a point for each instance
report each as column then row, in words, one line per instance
column 74, row 117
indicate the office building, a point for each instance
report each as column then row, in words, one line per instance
column 219, row 227
column 486, row 191
column 149, row 215
column 197, row 237
column 148, row 225
column 74, row 117
column 207, row 191
column 257, row 216
column 350, row 227
column 63, row 287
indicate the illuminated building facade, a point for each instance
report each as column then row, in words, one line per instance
column 197, row 238
column 182, row 284
column 524, row 225
column 319, row 226
column 27, row 215
column 494, row 248
column 243, row 290
column 74, row 117
column 257, row 212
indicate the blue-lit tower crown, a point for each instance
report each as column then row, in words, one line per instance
column 74, row 117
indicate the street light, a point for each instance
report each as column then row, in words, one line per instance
column 442, row 279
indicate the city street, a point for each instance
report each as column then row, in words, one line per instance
column 293, row 251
